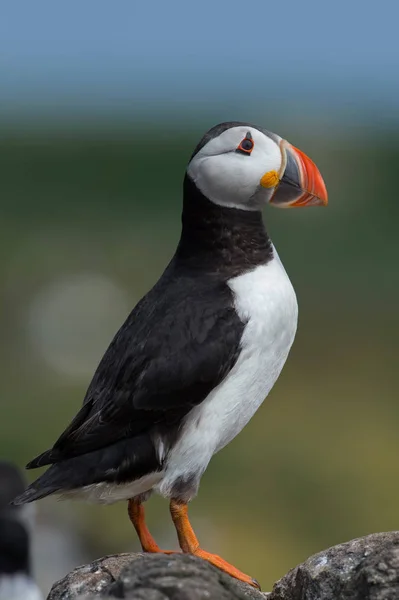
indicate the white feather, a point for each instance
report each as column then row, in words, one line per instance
column 108, row 493
column 232, row 179
column 265, row 300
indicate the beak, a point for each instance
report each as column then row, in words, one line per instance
column 300, row 183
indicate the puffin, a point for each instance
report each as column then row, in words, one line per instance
column 200, row 351
column 16, row 581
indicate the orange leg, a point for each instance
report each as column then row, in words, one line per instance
column 136, row 513
column 189, row 543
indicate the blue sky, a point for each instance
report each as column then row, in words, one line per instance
column 91, row 53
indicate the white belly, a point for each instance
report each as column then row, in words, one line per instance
column 265, row 300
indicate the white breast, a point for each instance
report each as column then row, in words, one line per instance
column 265, row 300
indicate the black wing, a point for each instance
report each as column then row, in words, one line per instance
column 178, row 343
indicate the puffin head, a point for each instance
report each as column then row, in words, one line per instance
column 242, row 166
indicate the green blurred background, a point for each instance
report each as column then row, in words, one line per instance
column 90, row 215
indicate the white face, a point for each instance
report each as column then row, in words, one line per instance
column 231, row 178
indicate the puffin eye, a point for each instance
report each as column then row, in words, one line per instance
column 246, row 145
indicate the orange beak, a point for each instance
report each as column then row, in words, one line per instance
column 301, row 183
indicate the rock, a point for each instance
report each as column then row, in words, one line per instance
column 90, row 579
column 363, row 569
column 151, row 577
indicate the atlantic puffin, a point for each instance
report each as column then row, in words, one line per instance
column 201, row 350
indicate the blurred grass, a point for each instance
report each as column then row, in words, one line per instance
column 318, row 463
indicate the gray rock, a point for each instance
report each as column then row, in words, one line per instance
column 90, row 579
column 363, row 569
column 179, row 577
column 151, row 577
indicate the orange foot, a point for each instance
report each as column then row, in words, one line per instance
column 189, row 544
column 223, row 565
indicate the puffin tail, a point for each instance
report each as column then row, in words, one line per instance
column 44, row 485
column 46, row 458
column 121, row 462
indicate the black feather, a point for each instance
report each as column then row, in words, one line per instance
column 118, row 463
column 178, row 343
